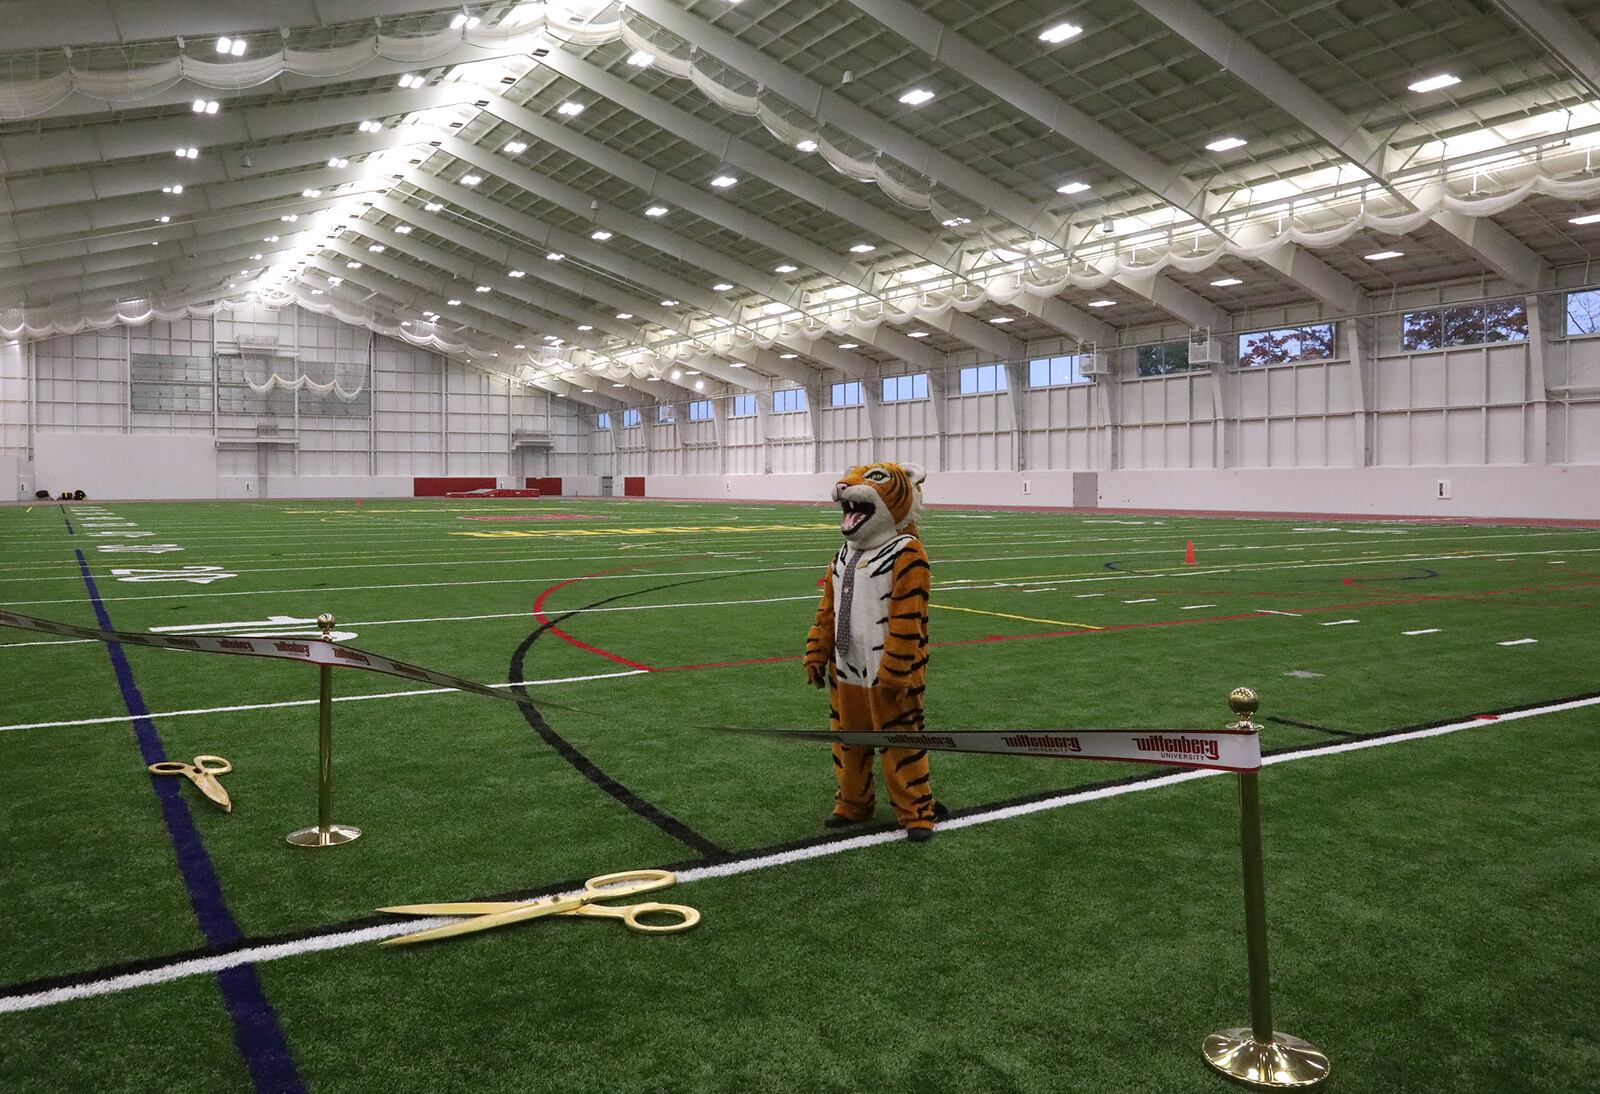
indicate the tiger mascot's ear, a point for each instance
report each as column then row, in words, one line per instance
column 916, row 471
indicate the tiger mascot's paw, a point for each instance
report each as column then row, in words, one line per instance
column 879, row 501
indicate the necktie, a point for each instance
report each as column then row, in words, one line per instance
column 841, row 633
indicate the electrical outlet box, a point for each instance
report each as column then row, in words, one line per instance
column 1443, row 488
column 1027, row 487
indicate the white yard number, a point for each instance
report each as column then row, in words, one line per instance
column 143, row 548
column 195, row 575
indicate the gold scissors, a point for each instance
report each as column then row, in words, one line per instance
column 605, row 887
column 203, row 773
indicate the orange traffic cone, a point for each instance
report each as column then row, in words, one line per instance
column 1188, row 554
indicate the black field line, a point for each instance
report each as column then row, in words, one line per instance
column 1307, row 725
column 126, row 975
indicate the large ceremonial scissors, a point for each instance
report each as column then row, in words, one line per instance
column 203, row 773
column 605, row 887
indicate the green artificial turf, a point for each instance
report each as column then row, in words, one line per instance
column 1431, row 901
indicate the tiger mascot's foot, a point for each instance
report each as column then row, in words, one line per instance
column 919, row 835
column 836, row 820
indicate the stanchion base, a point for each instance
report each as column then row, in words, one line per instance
column 1285, row 1062
column 331, row 836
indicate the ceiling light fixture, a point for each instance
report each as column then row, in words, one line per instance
column 336, row 281
column 807, row 145
column 656, row 211
column 640, row 59
column 1380, row 256
column 1587, row 218
column 1059, row 33
column 471, row 180
column 1224, row 282
column 862, row 248
column 175, row 188
column 1224, row 144
column 233, row 47
column 917, row 334
column 269, row 239
column 721, row 286
column 1434, row 83
column 785, row 268
column 1072, row 188
column 669, row 303
column 188, row 153
column 999, row 319
column 585, row 326
column 205, row 106
column 722, row 182
column 1101, row 303
column 570, row 109
column 432, row 207
column 599, row 235
column 403, row 229
column 624, row 315
column 515, row 148
column 463, row 21
column 338, row 161
column 377, row 248
column 311, row 193
column 555, row 256
column 849, row 345
column 370, row 126
column 411, row 80
column 453, row 302
column 916, row 96
column 787, row 356
column 955, row 222
column 163, row 219
column 352, row 265
column 515, row 273
column 481, row 288
column 677, row 374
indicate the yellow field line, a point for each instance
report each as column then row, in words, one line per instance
column 1024, row 618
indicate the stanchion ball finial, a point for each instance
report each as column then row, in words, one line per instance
column 325, row 621
column 1244, row 702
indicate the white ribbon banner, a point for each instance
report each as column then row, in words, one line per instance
column 1218, row 749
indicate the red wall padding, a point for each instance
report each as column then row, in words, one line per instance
column 633, row 486
column 439, row 487
column 549, row 487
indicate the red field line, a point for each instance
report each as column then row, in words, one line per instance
column 538, row 613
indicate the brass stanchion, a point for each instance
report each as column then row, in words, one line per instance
column 1259, row 1056
column 326, row 833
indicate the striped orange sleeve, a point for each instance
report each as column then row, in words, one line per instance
column 819, row 642
column 905, row 640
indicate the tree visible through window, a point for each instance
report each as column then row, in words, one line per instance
column 1583, row 312
column 1162, row 358
column 1313, row 342
column 1469, row 325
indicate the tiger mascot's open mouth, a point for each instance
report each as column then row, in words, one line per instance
column 876, row 501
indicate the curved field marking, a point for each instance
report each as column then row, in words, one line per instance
column 750, row 863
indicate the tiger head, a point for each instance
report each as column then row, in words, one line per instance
column 879, row 501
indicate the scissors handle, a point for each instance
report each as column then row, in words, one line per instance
column 171, row 767
column 683, row 917
column 626, row 883
column 213, row 765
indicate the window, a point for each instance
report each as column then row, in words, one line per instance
column 602, row 420
column 1162, row 358
column 744, row 406
column 899, row 388
column 847, row 394
column 1055, row 371
column 1583, row 312
column 630, row 417
column 791, row 401
column 1471, row 325
column 1313, row 342
column 982, row 379
column 666, row 412
column 700, row 410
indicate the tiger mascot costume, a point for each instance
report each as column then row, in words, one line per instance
column 869, row 644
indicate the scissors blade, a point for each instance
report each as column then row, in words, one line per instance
column 516, row 914
column 211, row 788
column 462, row 908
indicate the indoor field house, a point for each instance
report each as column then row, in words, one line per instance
column 800, row 546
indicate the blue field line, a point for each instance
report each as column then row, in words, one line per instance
column 256, row 1031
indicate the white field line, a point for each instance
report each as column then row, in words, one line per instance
column 311, row 702
column 1429, row 630
column 361, row 936
column 670, row 548
column 1113, row 576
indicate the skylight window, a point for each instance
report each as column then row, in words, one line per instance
column 1059, row 33
column 916, row 96
column 1225, row 144
column 1435, row 83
